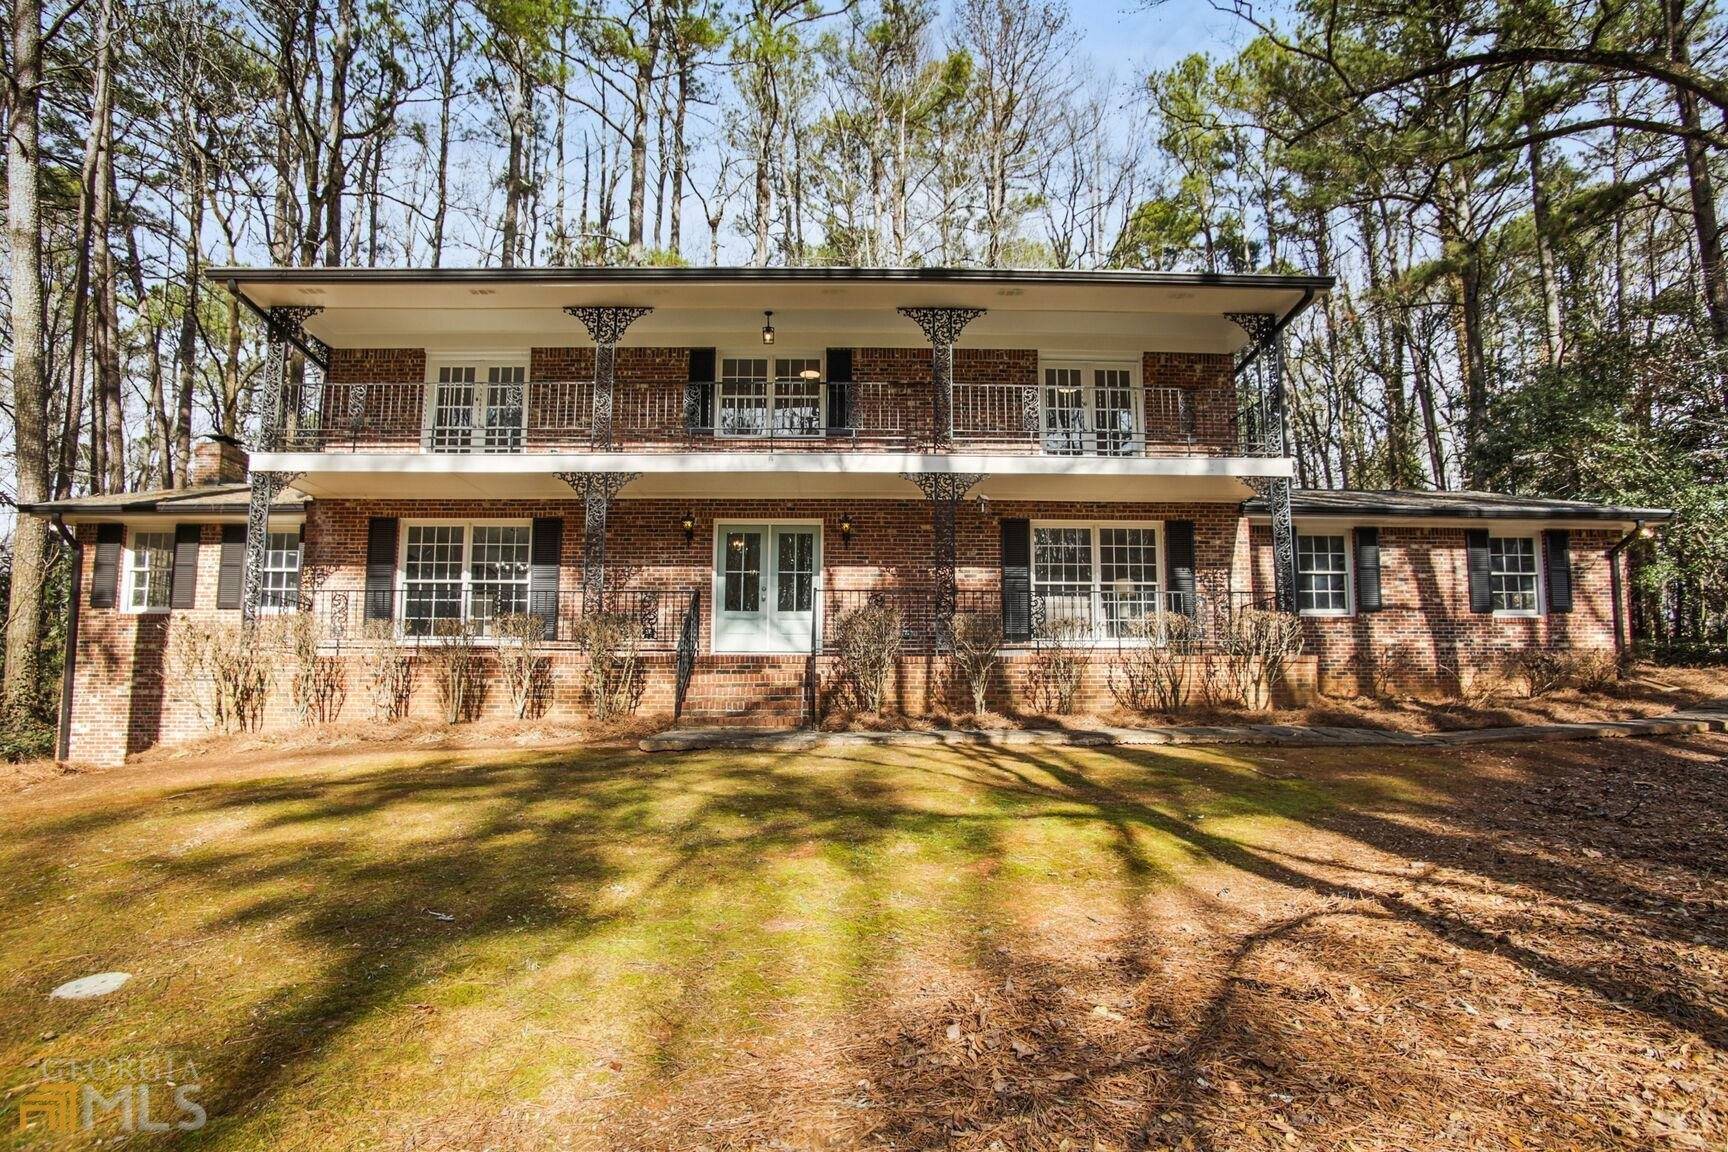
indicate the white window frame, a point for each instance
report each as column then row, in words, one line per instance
column 1089, row 401
column 1539, row 576
column 466, row 580
column 482, row 365
column 129, row 583
column 1099, row 639
column 1300, row 530
column 299, row 565
column 768, row 433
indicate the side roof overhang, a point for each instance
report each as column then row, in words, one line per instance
column 1408, row 506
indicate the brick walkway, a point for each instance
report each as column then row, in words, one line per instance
column 1712, row 719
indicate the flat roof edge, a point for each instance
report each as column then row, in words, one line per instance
column 732, row 274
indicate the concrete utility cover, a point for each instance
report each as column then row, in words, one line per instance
column 88, row 987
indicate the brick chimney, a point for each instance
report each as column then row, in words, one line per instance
column 218, row 459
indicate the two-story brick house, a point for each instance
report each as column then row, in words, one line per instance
column 739, row 457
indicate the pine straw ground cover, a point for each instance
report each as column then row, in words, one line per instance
column 1042, row 948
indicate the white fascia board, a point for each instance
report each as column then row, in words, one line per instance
column 1496, row 525
column 840, row 463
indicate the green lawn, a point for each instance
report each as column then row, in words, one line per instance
column 521, row 949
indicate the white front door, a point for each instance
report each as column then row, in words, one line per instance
column 765, row 586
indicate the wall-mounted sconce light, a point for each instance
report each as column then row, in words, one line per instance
column 846, row 527
column 689, row 526
column 767, row 327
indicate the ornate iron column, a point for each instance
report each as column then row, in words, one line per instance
column 283, row 327
column 1265, row 351
column 944, row 490
column 606, row 326
column 597, row 490
column 942, row 327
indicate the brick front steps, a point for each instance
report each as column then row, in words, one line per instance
column 765, row 739
column 764, row 692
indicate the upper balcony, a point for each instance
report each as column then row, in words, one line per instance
column 1066, row 415
column 496, row 382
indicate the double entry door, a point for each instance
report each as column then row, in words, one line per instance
column 765, row 586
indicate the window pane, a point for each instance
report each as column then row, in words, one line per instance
column 1512, row 573
column 453, row 412
column 498, row 572
column 432, row 571
column 744, row 408
column 1321, row 576
column 503, row 430
column 1127, row 577
column 797, row 402
column 152, row 569
column 281, row 570
column 1113, row 411
column 1064, row 412
column 1062, row 573
column 743, row 578
column 795, row 571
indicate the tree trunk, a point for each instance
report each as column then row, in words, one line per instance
column 1707, row 229
column 29, row 389
column 680, row 161
column 187, row 352
column 1553, row 331
column 71, row 431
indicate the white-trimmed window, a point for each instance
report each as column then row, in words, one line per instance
column 150, row 571
column 1100, row 577
column 477, row 408
column 770, row 396
column 1092, row 409
column 1322, row 575
column 281, row 571
column 457, row 571
column 1512, row 575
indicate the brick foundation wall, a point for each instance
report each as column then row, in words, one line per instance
column 1425, row 637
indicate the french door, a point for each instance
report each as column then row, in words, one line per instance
column 474, row 414
column 765, row 587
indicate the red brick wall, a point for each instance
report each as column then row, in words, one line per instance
column 377, row 366
column 1426, row 635
column 1209, row 379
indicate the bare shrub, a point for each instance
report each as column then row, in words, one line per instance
column 610, row 647
column 868, row 640
column 1059, row 663
column 1546, row 670
column 319, row 682
column 387, row 667
column 456, row 664
column 1257, row 647
column 520, row 664
column 977, row 652
column 1154, row 668
column 222, row 671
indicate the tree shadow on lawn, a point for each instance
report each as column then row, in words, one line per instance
column 532, row 847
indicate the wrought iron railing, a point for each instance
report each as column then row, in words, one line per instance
column 689, row 641
column 556, row 416
column 660, row 619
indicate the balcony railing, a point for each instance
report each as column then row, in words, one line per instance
column 556, row 416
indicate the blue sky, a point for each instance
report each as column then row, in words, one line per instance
column 1130, row 37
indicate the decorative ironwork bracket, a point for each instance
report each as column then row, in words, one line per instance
column 285, row 327
column 945, row 491
column 606, row 326
column 266, row 486
column 597, row 490
column 942, row 327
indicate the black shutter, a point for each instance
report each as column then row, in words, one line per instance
column 1179, row 566
column 233, row 566
column 1476, row 564
column 544, row 549
column 1368, row 570
column 702, row 373
column 839, row 391
column 380, row 567
column 183, row 583
column 1016, row 579
column 105, row 576
column 1557, row 544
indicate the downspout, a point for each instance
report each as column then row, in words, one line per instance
column 1614, row 590
column 69, row 669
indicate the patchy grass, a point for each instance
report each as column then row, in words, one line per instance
column 396, row 947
